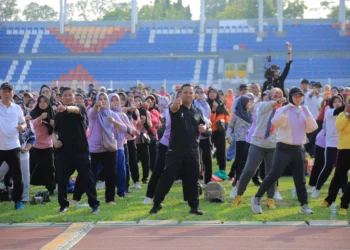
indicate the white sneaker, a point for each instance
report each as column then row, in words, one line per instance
column 315, row 194
column 233, row 193
column 310, row 189
column 75, row 202
column 147, row 201
column 111, row 203
column 100, row 185
column 306, row 210
column 137, row 185
column 277, row 197
column 256, row 206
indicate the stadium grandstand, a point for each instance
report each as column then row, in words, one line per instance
column 221, row 52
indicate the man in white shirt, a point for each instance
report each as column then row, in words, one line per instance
column 11, row 121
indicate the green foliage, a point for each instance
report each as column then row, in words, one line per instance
column 334, row 12
column 36, row 12
column 246, row 9
column 213, row 8
column 122, row 12
column 295, row 9
column 8, row 10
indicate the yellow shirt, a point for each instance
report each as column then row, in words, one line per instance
column 342, row 124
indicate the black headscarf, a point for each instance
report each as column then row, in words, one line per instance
column 331, row 101
column 36, row 112
column 221, row 106
column 241, row 110
column 53, row 102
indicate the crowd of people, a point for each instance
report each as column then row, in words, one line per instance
column 47, row 135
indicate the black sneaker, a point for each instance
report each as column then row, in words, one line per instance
column 196, row 211
column 155, row 209
column 145, row 181
column 63, row 210
column 95, row 210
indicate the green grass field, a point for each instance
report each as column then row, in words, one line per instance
column 133, row 209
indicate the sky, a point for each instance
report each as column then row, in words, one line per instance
column 313, row 11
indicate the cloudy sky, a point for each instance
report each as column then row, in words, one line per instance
column 314, row 10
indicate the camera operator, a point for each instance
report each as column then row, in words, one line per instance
column 272, row 74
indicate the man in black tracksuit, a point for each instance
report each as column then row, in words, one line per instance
column 183, row 154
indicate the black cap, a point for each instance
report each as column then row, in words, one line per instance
column 295, row 91
column 6, row 85
column 19, row 95
column 243, row 86
column 304, row 81
column 318, row 85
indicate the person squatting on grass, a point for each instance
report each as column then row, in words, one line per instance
column 262, row 146
column 293, row 122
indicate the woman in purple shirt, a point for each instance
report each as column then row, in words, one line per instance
column 102, row 120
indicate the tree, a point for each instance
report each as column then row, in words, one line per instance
column 213, row 7
column 122, row 12
column 70, row 10
column 36, row 12
column 8, row 10
column 243, row 9
column 178, row 5
column 334, row 12
column 295, row 9
column 82, row 8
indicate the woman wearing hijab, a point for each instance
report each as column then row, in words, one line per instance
column 240, row 123
column 332, row 139
column 27, row 140
column 47, row 91
column 292, row 121
column 102, row 123
column 219, row 118
column 205, row 141
column 42, row 168
column 156, row 124
column 116, row 107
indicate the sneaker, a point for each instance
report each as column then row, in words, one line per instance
column 19, row 205
column 325, row 204
column 237, row 201
column 233, row 193
column 100, row 185
column 155, row 209
column 137, row 185
column 343, row 211
column 315, row 194
column 75, row 202
column 111, row 203
column 306, row 210
column 63, row 210
column 147, row 201
column 310, row 189
column 196, row 211
column 256, row 206
column 145, row 181
column 277, row 197
column 95, row 210
column 270, row 203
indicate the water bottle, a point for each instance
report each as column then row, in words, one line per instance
column 294, row 193
column 333, row 212
column 82, row 205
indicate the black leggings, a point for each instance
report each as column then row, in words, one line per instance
column 219, row 142
column 143, row 153
column 153, row 153
column 205, row 147
column 132, row 162
column 330, row 159
column 317, row 167
column 42, row 169
column 108, row 162
column 240, row 159
column 158, row 170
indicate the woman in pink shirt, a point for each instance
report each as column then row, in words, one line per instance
column 42, row 168
column 156, row 124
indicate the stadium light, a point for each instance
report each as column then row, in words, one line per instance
column 280, row 15
column 61, row 17
column 342, row 13
column 134, row 13
column 261, row 16
column 202, row 17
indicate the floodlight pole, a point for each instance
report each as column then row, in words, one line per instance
column 342, row 14
column 202, row 17
column 261, row 15
column 65, row 7
column 61, row 17
column 280, row 15
column 133, row 16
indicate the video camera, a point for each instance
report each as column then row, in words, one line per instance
column 270, row 70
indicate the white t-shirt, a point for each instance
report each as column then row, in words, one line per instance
column 10, row 118
column 332, row 134
column 313, row 103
